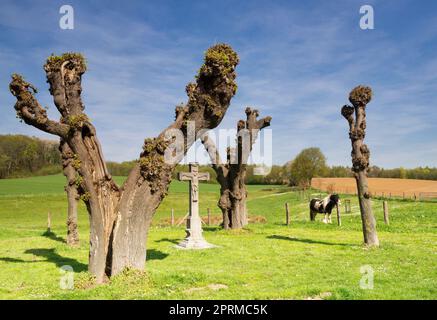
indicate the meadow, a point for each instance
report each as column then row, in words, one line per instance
column 266, row 260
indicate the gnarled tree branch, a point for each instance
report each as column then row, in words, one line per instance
column 30, row 111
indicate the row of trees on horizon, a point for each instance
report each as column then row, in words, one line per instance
column 24, row 156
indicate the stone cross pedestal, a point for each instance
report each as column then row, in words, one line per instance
column 194, row 238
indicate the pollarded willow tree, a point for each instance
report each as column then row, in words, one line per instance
column 231, row 174
column 360, row 97
column 69, row 164
column 120, row 216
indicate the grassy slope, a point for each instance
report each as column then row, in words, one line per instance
column 264, row 261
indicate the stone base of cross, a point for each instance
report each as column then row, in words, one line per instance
column 194, row 238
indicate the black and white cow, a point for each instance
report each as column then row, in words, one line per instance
column 325, row 206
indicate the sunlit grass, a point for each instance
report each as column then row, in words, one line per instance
column 264, row 261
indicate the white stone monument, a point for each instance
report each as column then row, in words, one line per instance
column 194, row 238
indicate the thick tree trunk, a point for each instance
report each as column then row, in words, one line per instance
column 120, row 217
column 234, row 209
column 134, row 215
column 232, row 174
column 100, row 194
column 239, row 216
column 239, row 210
column 360, row 97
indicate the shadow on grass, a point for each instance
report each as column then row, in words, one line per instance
column 153, row 254
column 175, row 241
column 6, row 259
column 51, row 235
column 309, row 241
column 50, row 255
column 212, row 228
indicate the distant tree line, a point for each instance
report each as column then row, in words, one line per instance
column 23, row 156
column 120, row 169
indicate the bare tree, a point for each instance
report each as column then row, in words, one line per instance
column 70, row 163
column 231, row 175
column 120, row 216
column 360, row 97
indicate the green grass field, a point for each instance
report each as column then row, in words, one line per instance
column 264, row 261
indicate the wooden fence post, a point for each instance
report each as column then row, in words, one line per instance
column 49, row 222
column 338, row 216
column 347, row 206
column 386, row 218
column 287, row 214
column 172, row 217
column 209, row 217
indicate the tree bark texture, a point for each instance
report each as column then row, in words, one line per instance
column 356, row 117
column 120, row 216
column 68, row 163
column 231, row 175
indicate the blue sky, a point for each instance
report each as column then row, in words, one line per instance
column 299, row 60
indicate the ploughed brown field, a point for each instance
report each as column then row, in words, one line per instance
column 380, row 186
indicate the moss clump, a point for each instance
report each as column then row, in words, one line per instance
column 85, row 196
column 152, row 167
column 209, row 103
column 219, row 59
column 77, row 121
column 19, row 82
column 75, row 163
column 157, row 144
column 360, row 96
column 78, row 181
column 152, row 162
column 56, row 61
column 221, row 54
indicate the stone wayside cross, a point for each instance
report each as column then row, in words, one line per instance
column 194, row 238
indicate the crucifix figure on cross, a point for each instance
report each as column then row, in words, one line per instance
column 194, row 176
column 194, row 238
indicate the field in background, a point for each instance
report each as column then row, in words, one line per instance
column 264, row 261
column 380, row 187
